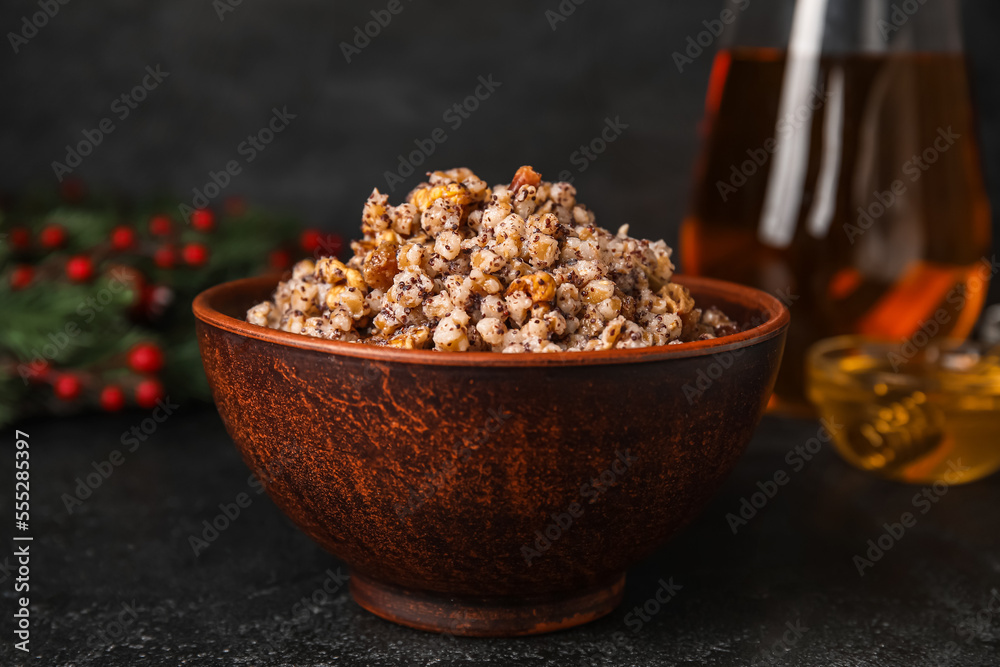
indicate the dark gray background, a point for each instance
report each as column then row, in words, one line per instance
column 607, row 59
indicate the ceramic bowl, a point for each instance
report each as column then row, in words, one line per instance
column 489, row 494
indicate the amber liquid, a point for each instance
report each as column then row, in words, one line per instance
column 866, row 135
column 917, row 422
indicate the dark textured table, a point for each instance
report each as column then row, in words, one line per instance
column 117, row 582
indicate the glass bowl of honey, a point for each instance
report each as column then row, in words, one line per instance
column 910, row 412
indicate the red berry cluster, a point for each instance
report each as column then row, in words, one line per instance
column 51, row 237
column 144, row 360
column 147, row 358
column 194, row 253
column 160, row 242
column 82, row 268
column 135, row 375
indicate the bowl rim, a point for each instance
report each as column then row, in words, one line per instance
column 749, row 297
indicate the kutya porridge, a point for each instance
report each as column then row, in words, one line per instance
column 514, row 268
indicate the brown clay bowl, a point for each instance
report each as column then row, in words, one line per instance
column 489, row 494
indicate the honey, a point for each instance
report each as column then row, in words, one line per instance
column 908, row 413
column 882, row 244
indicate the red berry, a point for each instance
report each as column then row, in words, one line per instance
column 280, row 259
column 79, row 268
column 112, row 398
column 52, row 236
column 67, row 386
column 20, row 238
column 310, row 240
column 148, row 393
column 122, row 237
column 145, row 358
column 203, row 220
column 315, row 242
column 195, row 254
column 160, row 225
column 21, row 276
column 164, row 257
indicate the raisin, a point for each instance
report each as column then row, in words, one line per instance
column 628, row 305
column 380, row 267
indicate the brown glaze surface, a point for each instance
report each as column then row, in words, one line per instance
column 427, row 472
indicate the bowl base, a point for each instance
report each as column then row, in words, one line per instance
column 485, row 617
